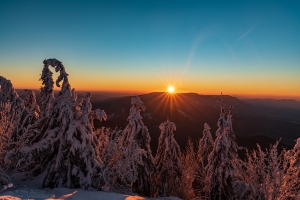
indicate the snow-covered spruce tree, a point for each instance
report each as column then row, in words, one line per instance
column 255, row 173
column 205, row 147
column 32, row 115
column 31, row 107
column 15, row 116
column 5, row 130
column 290, row 189
column 188, row 166
column 222, row 161
column 274, row 176
column 117, row 173
column 134, row 143
column 64, row 152
column 263, row 173
column 47, row 93
column 15, row 113
column 167, row 161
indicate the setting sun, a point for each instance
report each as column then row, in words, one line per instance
column 171, row 89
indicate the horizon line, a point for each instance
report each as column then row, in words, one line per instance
column 240, row 96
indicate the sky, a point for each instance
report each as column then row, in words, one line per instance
column 242, row 48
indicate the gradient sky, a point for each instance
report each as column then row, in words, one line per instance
column 208, row 47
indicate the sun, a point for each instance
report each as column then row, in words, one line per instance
column 171, row 89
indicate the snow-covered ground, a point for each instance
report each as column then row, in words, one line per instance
column 31, row 189
column 68, row 194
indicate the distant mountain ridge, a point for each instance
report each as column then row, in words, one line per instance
column 289, row 103
column 189, row 111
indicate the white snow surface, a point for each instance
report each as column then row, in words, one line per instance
column 69, row 194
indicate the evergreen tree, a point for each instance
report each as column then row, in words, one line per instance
column 15, row 110
column 263, row 172
column 167, row 161
column 117, row 173
column 255, row 173
column 274, row 176
column 222, row 161
column 290, row 189
column 5, row 130
column 188, row 166
column 16, row 116
column 135, row 145
column 205, row 147
column 63, row 149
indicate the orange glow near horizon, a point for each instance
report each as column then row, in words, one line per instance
column 146, row 88
column 239, row 87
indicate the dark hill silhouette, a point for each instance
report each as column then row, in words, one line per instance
column 284, row 103
column 252, row 124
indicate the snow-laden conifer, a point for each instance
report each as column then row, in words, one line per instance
column 274, row 176
column 290, row 189
column 167, row 161
column 135, row 144
column 222, row 161
column 255, row 173
column 5, row 130
column 117, row 172
column 15, row 112
column 205, row 147
column 47, row 93
column 188, row 166
column 16, row 116
column 263, row 172
column 64, row 149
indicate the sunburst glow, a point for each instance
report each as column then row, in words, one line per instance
column 171, row 89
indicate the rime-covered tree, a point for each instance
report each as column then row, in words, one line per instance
column 16, row 116
column 222, row 161
column 188, row 166
column 255, row 173
column 274, row 176
column 167, row 161
column 15, row 109
column 135, row 144
column 205, row 147
column 5, row 130
column 116, row 172
column 290, row 189
column 263, row 173
column 63, row 148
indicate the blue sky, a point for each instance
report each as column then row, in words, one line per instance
column 238, row 47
